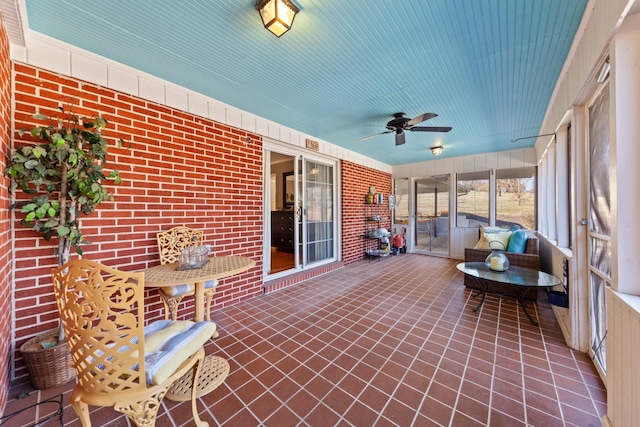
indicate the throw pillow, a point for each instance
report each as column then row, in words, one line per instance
column 518, row 242
column 487, row 239
column 484, row 229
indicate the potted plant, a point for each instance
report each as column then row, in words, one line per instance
column 62, row 170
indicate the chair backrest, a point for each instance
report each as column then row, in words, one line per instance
column 173, row 241
column 102, row 313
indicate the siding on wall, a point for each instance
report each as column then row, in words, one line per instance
column 5, row 225
column 180, row 169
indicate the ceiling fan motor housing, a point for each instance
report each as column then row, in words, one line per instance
column 399, row 122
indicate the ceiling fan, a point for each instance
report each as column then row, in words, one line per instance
column 401, row 122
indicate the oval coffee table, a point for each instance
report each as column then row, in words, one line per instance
column 520, row 278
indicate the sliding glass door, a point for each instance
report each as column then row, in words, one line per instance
column 300, row 224
column 432, row 215
column 318, row 212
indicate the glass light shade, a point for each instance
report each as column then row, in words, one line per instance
column 277, row 15
column 436, row 151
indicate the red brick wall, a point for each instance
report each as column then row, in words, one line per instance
column 356, row 180
column 5, row 225
column 180, row 169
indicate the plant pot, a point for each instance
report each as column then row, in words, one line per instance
column 47, row 367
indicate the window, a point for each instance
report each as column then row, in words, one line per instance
column 473, row 199
column 516, row 197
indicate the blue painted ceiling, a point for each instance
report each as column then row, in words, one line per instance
column 486, row 67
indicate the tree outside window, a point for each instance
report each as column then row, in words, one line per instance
column 516, row 197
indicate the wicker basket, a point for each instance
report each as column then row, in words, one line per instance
column 48, row 367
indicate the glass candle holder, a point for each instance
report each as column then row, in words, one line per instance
column 497, row 260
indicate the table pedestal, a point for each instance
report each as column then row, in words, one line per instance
column 213, row 372
column 520, row 293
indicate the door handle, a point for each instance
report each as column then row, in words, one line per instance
column 584, row 221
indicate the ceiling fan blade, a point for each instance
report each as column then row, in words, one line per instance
column 421, row 118
column 373, row 136
column 430, row 128
column 400, row 137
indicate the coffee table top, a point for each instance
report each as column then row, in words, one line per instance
column 518, row 276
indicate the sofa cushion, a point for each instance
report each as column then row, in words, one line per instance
column 487, row 240
column 176, row 290
column 169, row 343
column 518, row 242
column 485, row 229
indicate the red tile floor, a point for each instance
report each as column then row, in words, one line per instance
column 388, row 343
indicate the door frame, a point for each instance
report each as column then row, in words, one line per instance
column 300, row 156
column 413, row 215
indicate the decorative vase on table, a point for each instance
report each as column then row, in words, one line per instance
column 497, row 260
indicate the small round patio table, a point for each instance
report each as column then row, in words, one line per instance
column 218, row 267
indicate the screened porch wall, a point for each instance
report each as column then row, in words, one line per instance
column 462, row 237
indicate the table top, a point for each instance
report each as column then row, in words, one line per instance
column 519, row 276
column 215, row 268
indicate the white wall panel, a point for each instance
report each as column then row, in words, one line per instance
column 176, row 98
column 217, row 112
column 122, row 80
column 198, row 105
column 86, row 68
column 480, row 163
column 234, row 117
column 50, row 57
column 248, row 122
column 151, row 90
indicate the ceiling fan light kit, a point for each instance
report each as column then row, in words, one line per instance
column 277, row 15
column 401, row 122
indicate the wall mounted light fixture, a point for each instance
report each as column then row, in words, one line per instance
column 277, row 15
column 437, row 150
column 604, row 71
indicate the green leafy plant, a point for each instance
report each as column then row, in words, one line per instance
column 64, row 175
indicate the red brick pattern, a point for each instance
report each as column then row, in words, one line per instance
column 356, row 180
column 180, row 169
column 176, row 169
column 5, row 225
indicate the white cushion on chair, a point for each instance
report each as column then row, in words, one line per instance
column 174, row 291
column 169, row 343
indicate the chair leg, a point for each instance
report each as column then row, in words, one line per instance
column 143, row 413
column 82, row 410
column 194, row 391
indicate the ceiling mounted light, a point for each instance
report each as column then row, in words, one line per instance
column 277, row 15
column 437, row 150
